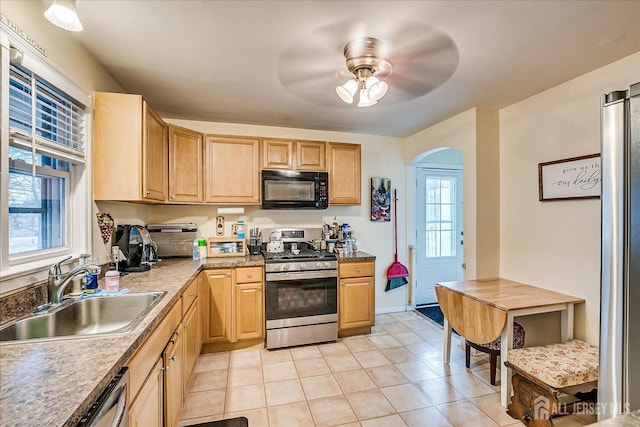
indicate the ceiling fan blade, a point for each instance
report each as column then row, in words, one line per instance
column 422, row 59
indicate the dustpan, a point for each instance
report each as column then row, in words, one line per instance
column 396, row 273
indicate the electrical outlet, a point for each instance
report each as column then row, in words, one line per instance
column 234, row 229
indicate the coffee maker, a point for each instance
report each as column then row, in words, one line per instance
column 137, row 249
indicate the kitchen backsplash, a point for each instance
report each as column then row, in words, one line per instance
column 22, row 302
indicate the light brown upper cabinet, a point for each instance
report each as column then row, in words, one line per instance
column 344, row 173
column 129, row 149
column 185, row 166
column 232, row 170
column 293, row 155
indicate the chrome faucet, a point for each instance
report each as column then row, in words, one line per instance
column 57, row 282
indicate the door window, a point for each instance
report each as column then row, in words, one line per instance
column 440, row 196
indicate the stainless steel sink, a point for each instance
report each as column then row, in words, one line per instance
column 83, row 317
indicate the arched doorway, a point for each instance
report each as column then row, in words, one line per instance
column 439, row 222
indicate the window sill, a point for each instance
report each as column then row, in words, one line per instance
column 27, row 274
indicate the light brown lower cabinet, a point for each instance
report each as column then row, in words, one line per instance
column 173, row 358
column 160, row 370
column 232, row 307
column 147, row 409
column 215, row 297
column 249, row 318
column 356, row 297
column 192, row 344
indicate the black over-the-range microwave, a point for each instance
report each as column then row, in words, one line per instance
column 284, row 189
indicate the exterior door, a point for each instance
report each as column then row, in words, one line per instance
column 439, row 239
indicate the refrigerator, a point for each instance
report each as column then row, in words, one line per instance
column 619, row 374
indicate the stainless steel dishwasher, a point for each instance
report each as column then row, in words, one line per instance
column 110, row 409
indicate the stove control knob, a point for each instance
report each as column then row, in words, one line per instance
column 276, row 267
column 319, row 264
column 302, row 266
column 285, row 267
column 327, row 264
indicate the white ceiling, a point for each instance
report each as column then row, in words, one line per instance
column 245, row 61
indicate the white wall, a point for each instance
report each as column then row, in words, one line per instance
column 555, row 244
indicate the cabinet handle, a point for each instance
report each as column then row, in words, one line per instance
column 228, row 274
column 173, row 358
column 173, row 196
column 357, row 269
column 192, row 295
column 186, row 325
column 148, row 192
column 249, row 275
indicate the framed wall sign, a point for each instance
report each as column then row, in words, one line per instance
column 573, row 178
column 380, row 199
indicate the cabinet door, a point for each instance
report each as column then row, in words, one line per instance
column 356, row 302
column 154, row 156
column 173, row 369
column 192, row 344
column 232, row 170
column 147, row 409
column 277, row 154
column 215, row 305
column 344, row 173
column 310, row 156
column 185, row 165
column 249, row 311
column 117, row 146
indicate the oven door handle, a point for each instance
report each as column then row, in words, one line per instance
column 300, row 275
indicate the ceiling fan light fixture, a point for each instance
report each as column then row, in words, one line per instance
column 365, row 101
column 63, row 14
column 376, row 88
column 347, row 91
column 363, row 61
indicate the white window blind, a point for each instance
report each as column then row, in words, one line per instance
column 43, row 118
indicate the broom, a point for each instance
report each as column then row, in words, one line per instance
column 396, row 273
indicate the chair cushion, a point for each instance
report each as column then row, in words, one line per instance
column 518, row 339
column 558, row 365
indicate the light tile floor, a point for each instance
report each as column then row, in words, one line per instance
column 392, row 377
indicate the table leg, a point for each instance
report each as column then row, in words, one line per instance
column 446, row 351
column 506, row 344
column 566, row 323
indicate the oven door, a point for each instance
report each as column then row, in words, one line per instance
column 301, row 298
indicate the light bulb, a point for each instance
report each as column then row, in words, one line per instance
column 62, row 13
column 376, row 88
column 365, row 101
column 347, row 91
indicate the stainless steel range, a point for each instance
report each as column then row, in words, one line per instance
column 301, row 289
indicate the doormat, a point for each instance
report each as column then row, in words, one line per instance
column 231, row 422
column 434, row 313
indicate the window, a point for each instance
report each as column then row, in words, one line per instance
column 44, row 134
column 440, row 216
column 53, row 123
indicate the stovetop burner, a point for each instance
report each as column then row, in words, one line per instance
column 303, row 255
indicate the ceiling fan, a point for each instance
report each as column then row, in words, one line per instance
column 368, row 72
column 400, row 61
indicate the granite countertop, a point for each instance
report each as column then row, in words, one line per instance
column 53, row 383
column 357, row 257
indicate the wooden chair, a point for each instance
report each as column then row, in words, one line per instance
column 493, row 349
